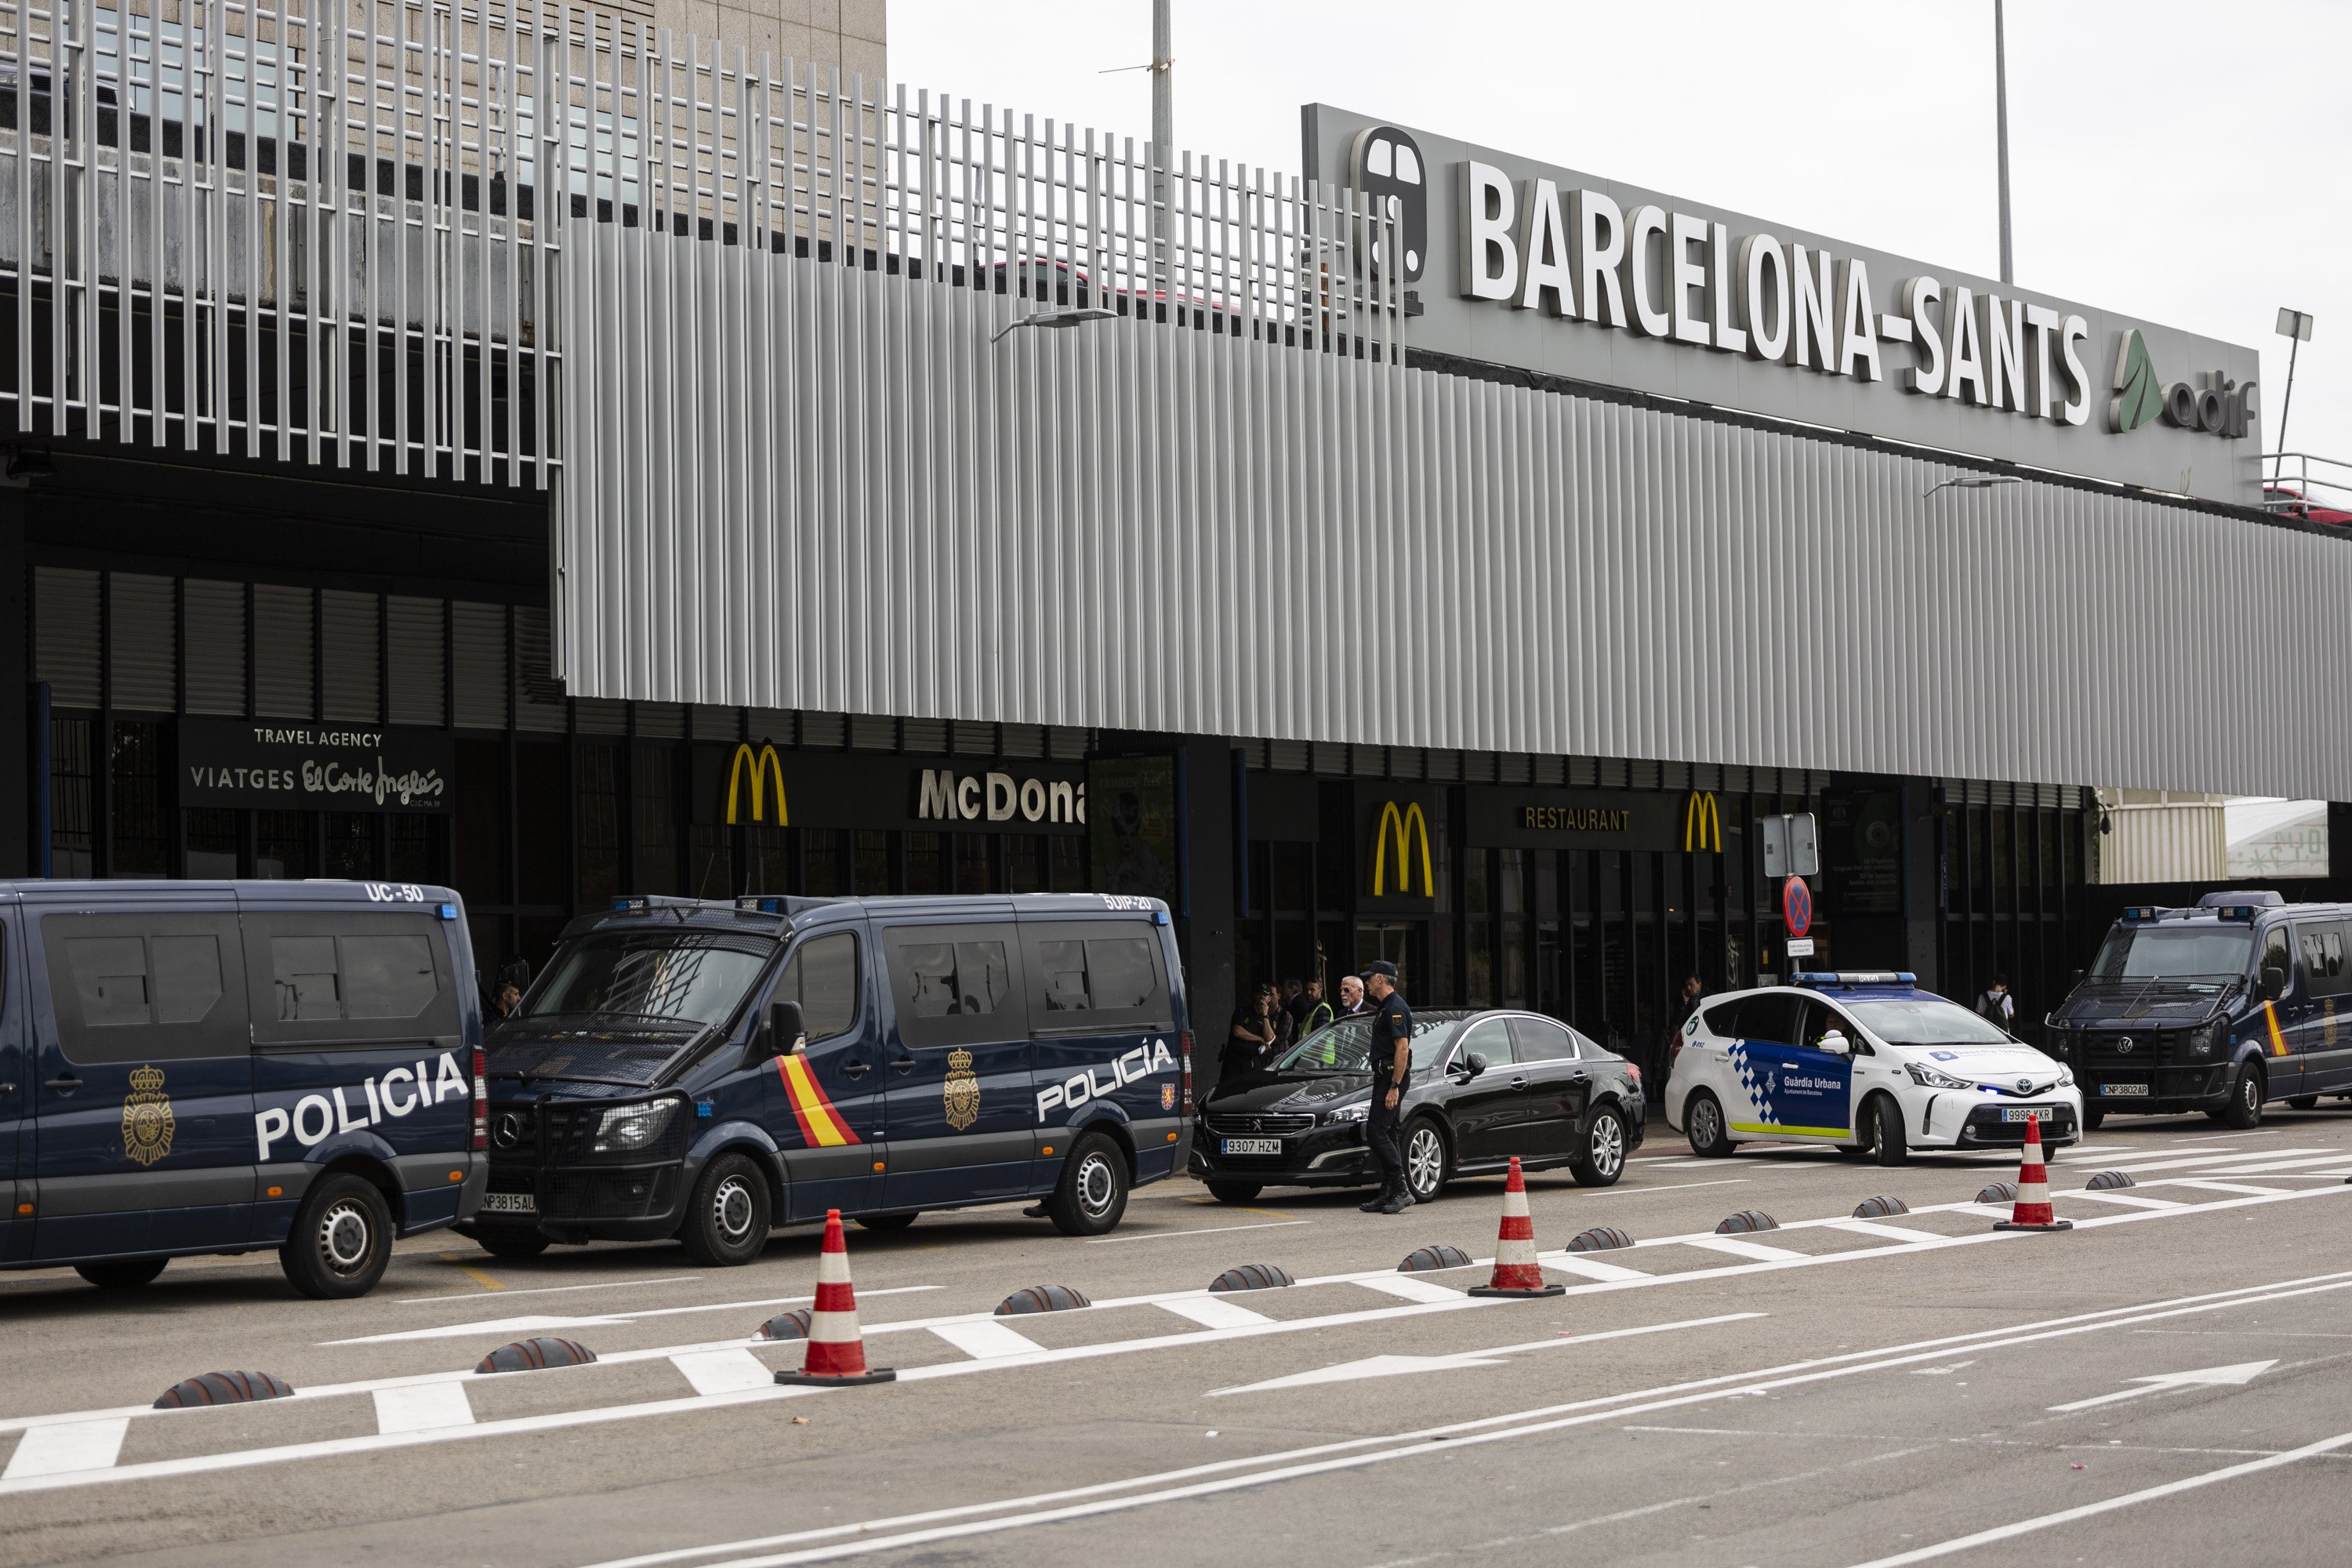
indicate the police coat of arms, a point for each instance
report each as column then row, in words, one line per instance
column 962, row 1091
column 147, row 1122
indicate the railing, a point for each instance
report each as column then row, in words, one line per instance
column 2306, row 485
column 315, row 232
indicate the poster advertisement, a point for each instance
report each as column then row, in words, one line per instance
column 1131, row 823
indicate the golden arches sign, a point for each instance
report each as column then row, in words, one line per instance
column 1703, row 821
column 1403, row 825
column 764, row 764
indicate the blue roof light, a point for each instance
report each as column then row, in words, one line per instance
column 448, row 911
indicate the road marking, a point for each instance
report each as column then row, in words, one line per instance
column 1883, row 1232
column 69, row 1446
column 536, row 1291
column 986, row 1340
column 1583, row 1198
column 2156, row 1160
column 2236, row 1376
column 2127, row 1200
column 1400, row 1365
column 595, row 1320
column 1590, row 1267
column 1739, row 1248
column 479, row 1276
column 2092, row 1510
column 713, row 1371
column 1209, row 1230
column 2225, row 1187
column 1409, row 1289
column 1214, row 1312
column 422, row 1408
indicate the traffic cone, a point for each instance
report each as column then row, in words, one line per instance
column 836, row 1350
column 2033, row 1211
column 1517, row 1272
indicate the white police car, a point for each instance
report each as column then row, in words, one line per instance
column 1865, row 1062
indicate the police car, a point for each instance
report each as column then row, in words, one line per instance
column 1865, row 1062
column 707, row 1070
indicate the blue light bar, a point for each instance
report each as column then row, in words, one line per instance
column 2141, row 911
column 448, row 911
column 1855, row 977
column 2235, row 912
column 638, row 904
column 755, row 905
column 1160, row 917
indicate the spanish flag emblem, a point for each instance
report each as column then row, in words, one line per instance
column 822, row 1127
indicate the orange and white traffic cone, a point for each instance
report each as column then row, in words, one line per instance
column 2033, row 1211
column 836, row 1350
column 1517, row 1272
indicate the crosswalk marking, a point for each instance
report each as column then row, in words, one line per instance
column 1739, row 1248
column 2128, row 1200
column 68, row 1446
column 1590, row 1267
column 1409, row 1289
column 723, row 1372
column 422, row 1407
column 2245, row 1187
column 1214, row 1312
column 1883, row 1232
column 985, row 1339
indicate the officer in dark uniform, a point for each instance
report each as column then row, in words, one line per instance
column 1391, row 1063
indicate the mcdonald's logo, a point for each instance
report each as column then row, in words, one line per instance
column 1703, row 821
column 763, row 764
column 1403, row 825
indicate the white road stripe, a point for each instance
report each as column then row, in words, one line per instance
column 67, row 1448
column 537, row 1290
column 723, row 1372
column 424, row 1408
column 602, row 1320
column 1739, row 1248
column 1206, row 1230
column 2226, row 1187
column 1214, row 1312
column 2127, row 1200
column 2092, row 1510
column 1590, row 1267
column 1409, row 1289
column 1883, row 1232
column 986, row 1339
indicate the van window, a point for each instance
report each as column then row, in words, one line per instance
column 2277, row 954
column 1092, row 975
column 954, row 984
column 151, row 987
column 821, row 976
column 349, row 976
column 2322, row 958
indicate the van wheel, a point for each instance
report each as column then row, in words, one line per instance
column 727, row 1217
column 2302, row 1101
column 1887, row 1143
column 887, row 1222
column 516, row 1243
column 2094, row 1117
column 2245, row 1107
column 1092, row 1197
column 1703, row 1124
column 1234, row 1192
column 122, row 1273
column 1600, row 1158
column 341, row 1242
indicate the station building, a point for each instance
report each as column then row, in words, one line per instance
column 572, row 469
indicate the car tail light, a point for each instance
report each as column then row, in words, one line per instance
column 481, row 1098
column 1184, row 1044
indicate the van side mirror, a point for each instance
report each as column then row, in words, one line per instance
column 2077, row 980
column 784, row 1034
column 1473, row 1065
column 2273, row 982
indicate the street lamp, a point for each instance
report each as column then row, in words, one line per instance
column 1057, row 320
column 1970, row 482
column 2294, row 326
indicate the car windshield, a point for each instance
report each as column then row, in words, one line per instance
column 2175, row 952
column 1926, row 1021
column 690, row 976
column 1346, row 1045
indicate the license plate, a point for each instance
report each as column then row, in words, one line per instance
column 1250, row 1145
column 2123, row 1090
column 2047, row 1114
column 510, row 1203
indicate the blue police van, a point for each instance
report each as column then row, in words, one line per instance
column 709, row 1071
column 228, row 1067
column 2221, row 1008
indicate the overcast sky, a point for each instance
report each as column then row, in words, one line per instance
column 2185, row 164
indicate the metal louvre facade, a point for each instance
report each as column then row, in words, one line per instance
column 1130, row 526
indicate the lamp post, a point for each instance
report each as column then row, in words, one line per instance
column 2294, row 326
column 2001, row 120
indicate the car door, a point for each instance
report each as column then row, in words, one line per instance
column 1486, row 1110
column 824, row 1101
column 1559, row 1089
column 2320, row 1038
column 957, row 1112
column 2282, row 1016
column 15, row 1095
column 1816, row 1088
column 1101, row 1013
column 143, row 1132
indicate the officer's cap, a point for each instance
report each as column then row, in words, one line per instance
column 1380, row 966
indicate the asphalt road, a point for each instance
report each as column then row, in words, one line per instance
column 2170, row 1382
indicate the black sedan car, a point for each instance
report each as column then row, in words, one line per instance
column 1485, row 1086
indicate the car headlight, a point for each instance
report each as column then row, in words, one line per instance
column 1928, row 1078
column 1356, row 1112
column 2066, row 1077
column 631, row 1127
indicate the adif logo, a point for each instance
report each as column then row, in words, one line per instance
column 2218, row 407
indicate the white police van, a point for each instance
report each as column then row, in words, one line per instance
column 1865, row 1062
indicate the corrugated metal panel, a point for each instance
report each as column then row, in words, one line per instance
column 143, row 626
column 1585, row 577
column 539, row 696
column 772, row 724
column 710, row 723
column 282, row 654
column 478, row 641
column 926, row 736
column 601, row 716
column 873, row 733
column 416, row 684
column 215, row 647
column 826, row 730
column 351, row 656
column 660, row 721
column 65, row 635
column 1023, row 741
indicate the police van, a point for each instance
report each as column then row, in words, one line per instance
column 1864, row 1061
column 709, row 1071
column 226, row 1067
column 2242, row 1000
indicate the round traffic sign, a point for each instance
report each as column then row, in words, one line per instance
column 1797, row 906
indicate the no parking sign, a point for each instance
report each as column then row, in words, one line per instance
column 1797, row 906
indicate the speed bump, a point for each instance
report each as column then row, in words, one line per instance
column 1422, row 1260
column 792, row 1325
column 1746, row 1222
column 222, row 1388
column 1600, row 1238
column 1253, row 1277
column 1999, row 1193
column 2108, row 1181
column 1041, row 1299
column 536, row 1355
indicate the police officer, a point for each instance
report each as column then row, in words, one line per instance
column 1391, row 1063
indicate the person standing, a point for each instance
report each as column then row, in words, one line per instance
column 1997, row 1004
column 1351, row 997
column 1391, row 1063
column 1252, row 1034
column 1311, row 1011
